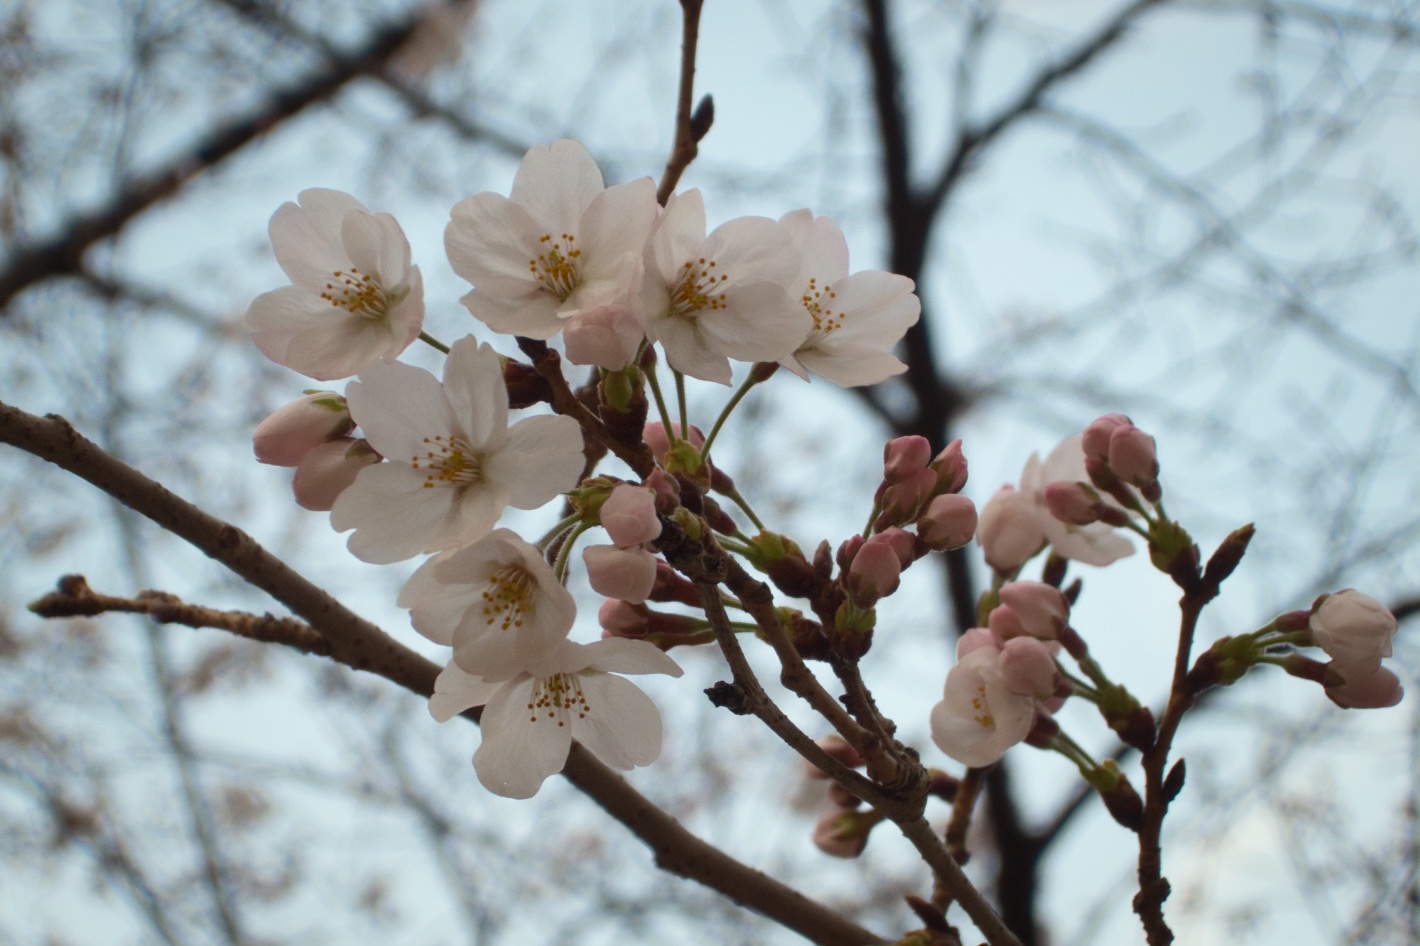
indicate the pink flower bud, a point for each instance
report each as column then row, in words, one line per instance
column 844, row 832
column 1133, row 456
column 629, row 515
column 950, row 467
column 1005, row 624
column 607, row 336
column 1074, row 503
column 654, row 434
column 667, row 490
column 1354, row 629
column 1042, row 609
column 625, row 574
column 902, row 542
column 1027, row 668
column 948, row 522
column 292, row 431
column 905, row 456
column 1009, row 530
column 623, row 619
column 325, row 471
column 1369, row 688
column 902, row 500
column 1095, row 440
column 874, row 574
column 849, row 551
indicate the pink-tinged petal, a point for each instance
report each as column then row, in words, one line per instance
column 532, row 315
column 556, row 183
column 406, row 317
column 878, row 305
column 625, row 574
column 541, row 458
column 436, row 608
column 294, row 328
column 822, row 248
column 621, row 725
column 397, row 406
column 393, row 516
column 475, row 512
column 618, row 221
column 1366, row 687
column 1096, row 544
column 607, row 336
column 618, row 655
column 848, row 366
column 489, row 241
column 456, row 691
column 759, row 323
column 477, row 395
column 329, row 470
column 688, row 351
column 521, row 747
column 392, row 251
column 361, row 237
column 978, row 718
column 294, row 429
column 629, row 515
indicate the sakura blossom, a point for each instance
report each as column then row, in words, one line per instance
column 354, row 297
column 1353, row 628
column 530, row 720
column 496, row 602
column 709, row 299
column 979, row 717
column 857, row 320
column 452, row 461
column 562, row 246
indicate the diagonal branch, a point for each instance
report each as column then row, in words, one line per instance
column 361, row 645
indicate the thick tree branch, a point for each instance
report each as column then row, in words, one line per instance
column 361, row 645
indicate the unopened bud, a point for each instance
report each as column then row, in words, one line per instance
column 295, row 429
column 844, row 832
column 326, row 471
column 1095, row 439
column 904, row 457
column 873, row 575
column 948, row 522
column 951, row 468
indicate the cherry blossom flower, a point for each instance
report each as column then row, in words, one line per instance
column 979, row 717
column 530, row 720
column 452, row 462
column 857, row 319
column 562, row 246
column 496, row 602
column 354, row 296
column 1353, row 628
column 707, row 299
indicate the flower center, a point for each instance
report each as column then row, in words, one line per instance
column 508, row 596
column 819, row 303
column 449, row 462
column 557, row 696
column 985, row 720
column 696, row 290
column 555, row 267
column 357, row 293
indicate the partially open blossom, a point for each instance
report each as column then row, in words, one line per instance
column 1363, row 687
column 1354, row 629
column 857, row 320
column 708, row 299
column 629, row 515
column 948, row 522
column 1009, row 529
column 625, row 574
column 328, row 470
column 353, row 298
column 1094, row 442
column 979, row 717
column 563, row 245
column 295, row 429
column 496, row 602
column 1094, row 544
column 530, row 720
column 453, row 462
column 1028, row 668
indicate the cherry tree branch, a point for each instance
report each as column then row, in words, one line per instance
column 690, row 126
column 361, row 645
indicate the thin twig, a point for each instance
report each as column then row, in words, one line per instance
column 686, row 144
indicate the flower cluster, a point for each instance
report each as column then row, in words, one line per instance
column 411, row 464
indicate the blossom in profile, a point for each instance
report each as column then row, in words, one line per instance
column 709, row 299
column 496, row 602
column 856, row 320
column 328, row 470
column 452, row 462
column 530, row 720
column 561, row 247
column 354, row 296
column 980, row 716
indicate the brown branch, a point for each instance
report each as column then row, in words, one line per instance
column 690, row 126
column 361, row 645
column 74, row 598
